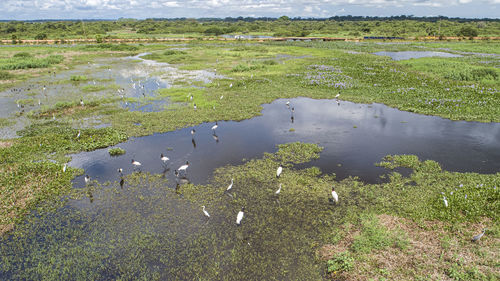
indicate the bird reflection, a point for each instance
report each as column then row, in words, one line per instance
column 194, row 143
column 292, row 118
column 122, row 181
column 164, row 173
column 216, row 138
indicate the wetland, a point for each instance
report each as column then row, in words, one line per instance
column 412, row 148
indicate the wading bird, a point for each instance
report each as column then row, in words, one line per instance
column 205, row 212
column 445, row 201
column 240, row 215
column 279, row 190
column 193, row 131
column 78, row 135
column 477, row 237
column 136, row 164
column 335, row 195
column 183, row 168
column 230, row 186
column 164, row 159
column 215, row 126
column 87, row 179
column 278, row 171
column 64, row 168
column 120, row 171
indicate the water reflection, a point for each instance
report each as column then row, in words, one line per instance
column 354, row 137
column 406, row 55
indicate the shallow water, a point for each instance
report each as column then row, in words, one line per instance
column 406, row 55
column 354, row 137
column 128, row 77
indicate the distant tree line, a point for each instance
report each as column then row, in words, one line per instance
column 341, row 26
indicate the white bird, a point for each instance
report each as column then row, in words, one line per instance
column 445, row 201
column 184, row 167
column 278, row 171
column 87, row 179
column 230, row 186
column 221, row 96
column 136, row 163
column 279, row 190
column 288, row 103
column 164, row 158
column 78, row 135
column 193, row 131
column 215, row 126
column 337, row 95
column 120, row 170
column 231, row 85
column 335, row 195
column 205, row 212
column 191, row 97
column 64, row 167
column 194, row 106
column 240, row 215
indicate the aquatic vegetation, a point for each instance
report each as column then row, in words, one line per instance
column 78, row 78
column 115, row 151
column 280, row 234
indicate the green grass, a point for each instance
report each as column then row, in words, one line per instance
column 4, row 75
column 29, row 62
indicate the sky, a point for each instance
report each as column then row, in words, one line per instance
column 141, row 9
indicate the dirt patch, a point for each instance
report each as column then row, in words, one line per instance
column 5, row 144
column 432, row 250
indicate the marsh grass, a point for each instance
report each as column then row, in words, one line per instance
column 24, row 62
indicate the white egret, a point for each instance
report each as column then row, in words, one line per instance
column 87, row 179
column 445, row 201
column 279, row 190
column 64, row 167
column 215, row 126
column 205, row 212
column 230, row 186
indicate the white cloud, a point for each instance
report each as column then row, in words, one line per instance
column 31, row 9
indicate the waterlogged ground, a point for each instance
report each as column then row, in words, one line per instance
column 149, row 224
column 144, row 229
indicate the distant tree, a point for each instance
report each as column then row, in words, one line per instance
column 468, row 31
column 283, row 18
column 213, row 31
column 41, row 36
